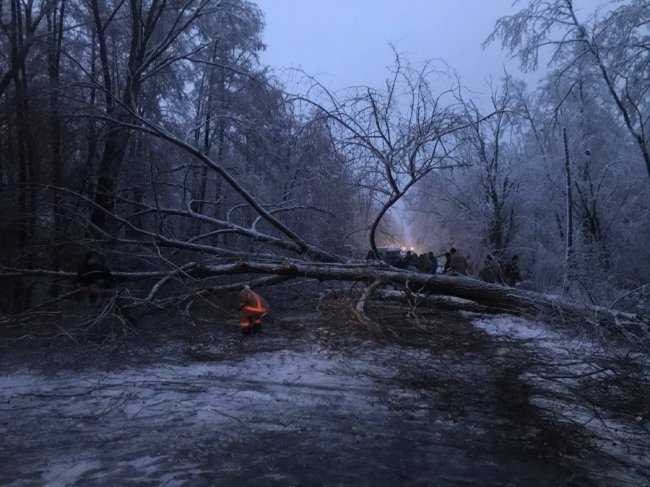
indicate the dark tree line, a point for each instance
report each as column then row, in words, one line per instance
column 81, row 81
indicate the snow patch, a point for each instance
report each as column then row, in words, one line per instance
column 565, row 361
column 537, row 335
column 68, row 473
column 150, row 414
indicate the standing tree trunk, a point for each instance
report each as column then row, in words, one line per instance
column 569, row 215
column 103, row 192
column 149, row 46
column 20, row 34
column 55, row 18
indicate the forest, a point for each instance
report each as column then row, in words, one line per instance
column 148, row 133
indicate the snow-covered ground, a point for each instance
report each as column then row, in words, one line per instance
column 307, row 412
column 80, row 421
column 564, row 361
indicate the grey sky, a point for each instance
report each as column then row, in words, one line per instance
column 346, row 42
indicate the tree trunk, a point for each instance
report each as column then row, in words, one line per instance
column 55, row 29
column 492, row 296
column 569, row 215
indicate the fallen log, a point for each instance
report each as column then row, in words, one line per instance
column 503, row 298
column 492, row 296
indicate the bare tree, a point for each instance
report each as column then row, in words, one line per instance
column 206, row 169
column 485, row 143
column 155, row 32
column 398, row 135
column 614, row 45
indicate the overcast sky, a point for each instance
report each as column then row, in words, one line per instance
column 346, row 42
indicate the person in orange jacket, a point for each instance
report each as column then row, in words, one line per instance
column 252, row 307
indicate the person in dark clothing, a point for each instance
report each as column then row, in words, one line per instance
column 434, row 263
column 511, row 271
column 424, row 264
column 410, row 261
column 456, row 263
column 491, row 271
column 94, row 276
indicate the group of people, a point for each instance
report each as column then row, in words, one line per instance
column 493, row 273
column 455, row 263
column 96, row 278
column 426, row 263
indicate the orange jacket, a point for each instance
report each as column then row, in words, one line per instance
column 251, row 301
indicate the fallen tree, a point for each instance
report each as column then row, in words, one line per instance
column 170, row 253
column 468, row 291
column 492, row 296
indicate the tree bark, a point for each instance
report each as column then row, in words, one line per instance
column 569, row 214
column 491, row 296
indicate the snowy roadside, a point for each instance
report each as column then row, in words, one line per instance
column 303, row 405
column 563, row 366
column 169, row 408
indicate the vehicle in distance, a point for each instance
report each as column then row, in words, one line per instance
column 392, row 255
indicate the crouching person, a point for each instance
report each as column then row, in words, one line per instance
column 252, row 307
column 94, row 276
